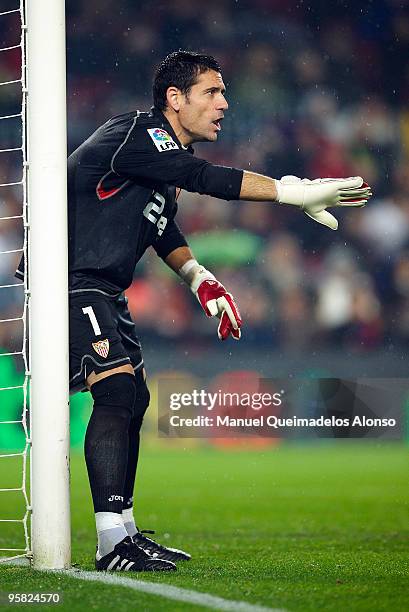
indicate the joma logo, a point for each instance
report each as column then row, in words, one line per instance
column 116, row 498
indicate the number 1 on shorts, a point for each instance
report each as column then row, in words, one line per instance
column 93, row 319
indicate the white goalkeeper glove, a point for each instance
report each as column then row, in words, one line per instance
column 313, row 197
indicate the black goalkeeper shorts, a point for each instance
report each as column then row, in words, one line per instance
column 102, row 335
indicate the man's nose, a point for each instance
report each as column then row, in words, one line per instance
column 223, row 104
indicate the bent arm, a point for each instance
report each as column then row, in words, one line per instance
column 183, row 262
column 212, row 295
column 177, row 258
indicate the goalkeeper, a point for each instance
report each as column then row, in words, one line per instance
column 123, row 184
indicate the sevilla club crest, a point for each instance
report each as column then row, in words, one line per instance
column 101, row 347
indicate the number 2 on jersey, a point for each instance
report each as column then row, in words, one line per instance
column 158, row 209
column 93, row 319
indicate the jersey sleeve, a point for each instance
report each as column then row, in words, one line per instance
column 144, row 156
column 171, row 239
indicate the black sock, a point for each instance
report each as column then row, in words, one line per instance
column 141, row 403
column 107, row 440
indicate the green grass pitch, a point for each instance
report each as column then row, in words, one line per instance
column 299, row 527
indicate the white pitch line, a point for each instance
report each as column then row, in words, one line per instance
column 168, row 592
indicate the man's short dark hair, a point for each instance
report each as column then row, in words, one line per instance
column 179, row 69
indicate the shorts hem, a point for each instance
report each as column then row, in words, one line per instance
column 80, row 384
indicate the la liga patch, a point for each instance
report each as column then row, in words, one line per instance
column 162, row 140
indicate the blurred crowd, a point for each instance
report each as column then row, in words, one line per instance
column 314, row 90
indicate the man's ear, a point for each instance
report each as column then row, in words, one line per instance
column 173, row 98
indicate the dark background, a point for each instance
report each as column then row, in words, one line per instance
column 315, row 89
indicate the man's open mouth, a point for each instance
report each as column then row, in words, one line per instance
column 217, row 124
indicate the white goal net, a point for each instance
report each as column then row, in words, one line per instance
column 34, row 311
column 14, row 295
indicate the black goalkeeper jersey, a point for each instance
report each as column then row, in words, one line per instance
column 122, row 197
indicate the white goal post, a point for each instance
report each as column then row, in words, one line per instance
column 48, row 284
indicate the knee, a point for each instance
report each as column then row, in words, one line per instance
column 116, row 394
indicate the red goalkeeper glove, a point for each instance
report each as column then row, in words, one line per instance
column 217, row 302
column 213, row 298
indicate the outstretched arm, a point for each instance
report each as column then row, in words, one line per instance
column 313, row 197
column 258, row 188
column 139, row 158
